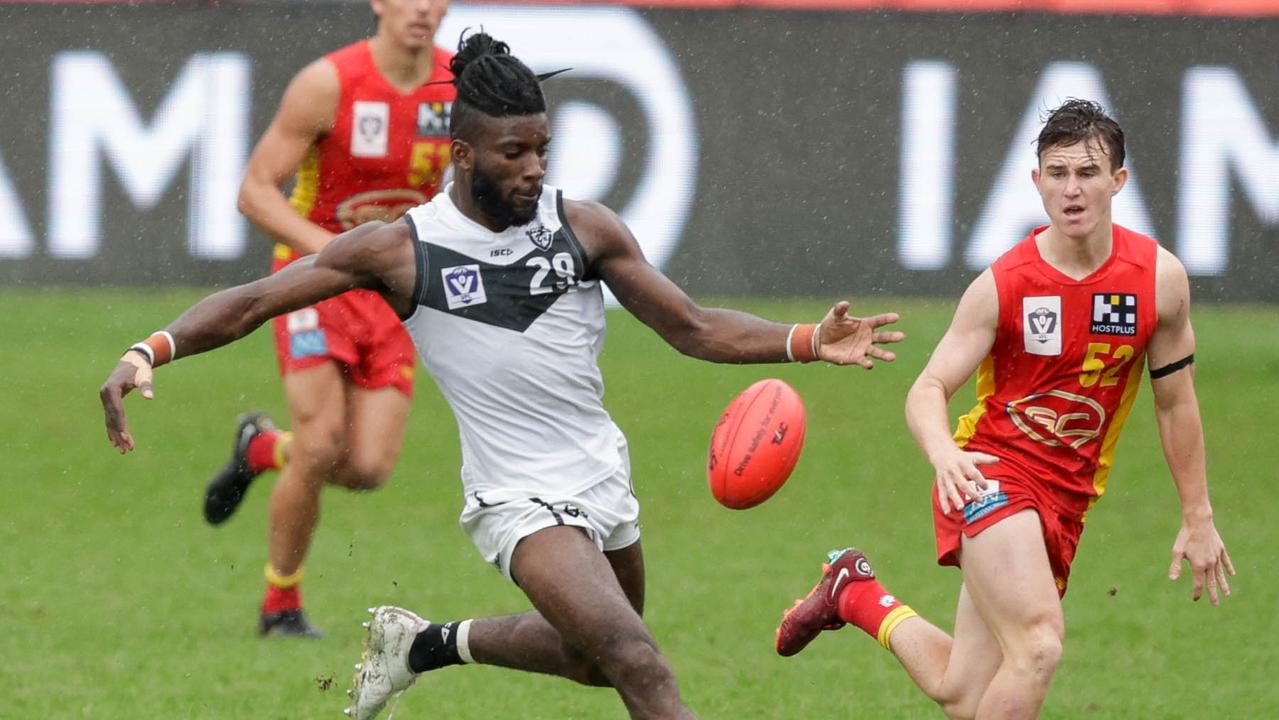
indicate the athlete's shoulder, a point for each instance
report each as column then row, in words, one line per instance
column 312, row 96
column 599, row 229
column 585, row 211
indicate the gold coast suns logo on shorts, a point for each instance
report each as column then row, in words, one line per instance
column 384, row 205
column 1057, row 418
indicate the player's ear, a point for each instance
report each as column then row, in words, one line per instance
column 463, row 154
column 1121, row 178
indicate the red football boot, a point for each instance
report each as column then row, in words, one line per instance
column 820, row 609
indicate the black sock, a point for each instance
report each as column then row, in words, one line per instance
column 435, row 647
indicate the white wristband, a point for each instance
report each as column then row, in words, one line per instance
column 145, row 350
column 790, row 357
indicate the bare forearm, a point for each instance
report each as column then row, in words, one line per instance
column 926, row 415
column 1181, row 434
column 730, row 336
column 217, row 320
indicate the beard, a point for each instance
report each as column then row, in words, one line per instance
column 499, row 209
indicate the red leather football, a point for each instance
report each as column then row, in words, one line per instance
column 756, row 444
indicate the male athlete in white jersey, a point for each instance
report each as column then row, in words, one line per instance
column 498, row 281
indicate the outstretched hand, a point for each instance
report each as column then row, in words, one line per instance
column 1203, row 548
column 847, row 340
column 131, row 372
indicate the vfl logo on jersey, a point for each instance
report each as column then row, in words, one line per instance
column 433, row 119
column 1114, row 314
column 540, row 236
column 370, row 128
column 463, row 286
column 1042, row 324
column 1057, row 418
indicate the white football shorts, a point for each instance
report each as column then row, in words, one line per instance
column 498, row 520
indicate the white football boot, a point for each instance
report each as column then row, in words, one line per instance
column 384, row 670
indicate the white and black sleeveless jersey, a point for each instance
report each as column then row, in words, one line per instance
column 511, row 326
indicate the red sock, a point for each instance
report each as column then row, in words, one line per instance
column 278, row 598
column 869, row 606
column 262, row 451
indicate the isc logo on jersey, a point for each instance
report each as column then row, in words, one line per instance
column 463, row 286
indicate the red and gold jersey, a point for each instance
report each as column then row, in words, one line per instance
column 1057, row 386
column 386, row 152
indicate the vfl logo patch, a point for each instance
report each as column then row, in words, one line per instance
column 463, row 286
column 307, row 318
column 1114, row 314
column 1057, row 418
column 433, row 119
column 539, row 236
column 1041, row 326
column 370, row 123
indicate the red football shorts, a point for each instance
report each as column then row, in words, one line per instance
column 359, row 331
column 1061, row 532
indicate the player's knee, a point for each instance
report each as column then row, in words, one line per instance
column 316, row 455
column 363, row 475
column 637, row 663
column 581, row 670
column 363, row 471
column 1037, row 649
column 960, row 701
column 317, row 452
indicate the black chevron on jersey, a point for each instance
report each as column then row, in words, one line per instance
column 511, row 296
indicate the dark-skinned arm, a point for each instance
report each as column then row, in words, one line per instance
column 714, row 334
column 373, row 256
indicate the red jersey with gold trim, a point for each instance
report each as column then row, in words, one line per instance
column 1060, row 380
column 386, row 152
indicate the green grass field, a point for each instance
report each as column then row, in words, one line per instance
column 117, row 601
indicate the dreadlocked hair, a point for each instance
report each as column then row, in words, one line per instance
column 1078, row 120
column 490, row 81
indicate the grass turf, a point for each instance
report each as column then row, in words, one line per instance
column 118, row 602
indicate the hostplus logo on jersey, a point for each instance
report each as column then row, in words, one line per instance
column 1114, row 314
column 1042, row 326
column 433, row 119
column 463, row 286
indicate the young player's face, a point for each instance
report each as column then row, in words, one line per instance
column 508, row 166
column 411, row 23
column 1076, row 183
